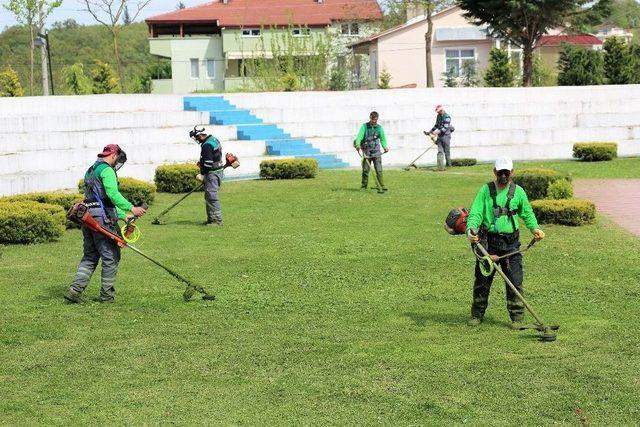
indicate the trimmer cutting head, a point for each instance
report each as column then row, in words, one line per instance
column 547, row 333
column 156, row 221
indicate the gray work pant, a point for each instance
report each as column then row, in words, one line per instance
column 444, row 150
column 212, row 183
column 96, row 247
column 377, row 164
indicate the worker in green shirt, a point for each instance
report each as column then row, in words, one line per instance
column 370, row 139
column 494, row 221
column 106, row 204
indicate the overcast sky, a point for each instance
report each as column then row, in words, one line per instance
column 73, row 9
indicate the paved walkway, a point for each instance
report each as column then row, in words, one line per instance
column 619, row 199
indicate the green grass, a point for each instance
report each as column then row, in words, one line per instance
column 335, row 307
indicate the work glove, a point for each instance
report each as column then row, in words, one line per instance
column 473, row 237
column 538, row 234
column 200, row 177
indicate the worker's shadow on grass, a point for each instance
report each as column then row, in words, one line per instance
column 351, row 189
column 53, row 292
column 453, row 319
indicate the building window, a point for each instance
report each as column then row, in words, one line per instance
column 195, row 68
column 350, row 29
column 455, row 58
column 251, row 32
column 301, row 32
column 211, row 68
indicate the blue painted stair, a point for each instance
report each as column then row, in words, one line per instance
column 250, row 127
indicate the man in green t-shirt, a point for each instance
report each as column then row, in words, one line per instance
column 370, row 138
column 494, row 221
column 106, row 204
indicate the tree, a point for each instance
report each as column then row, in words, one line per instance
column 524, row 22
column 126, row 18
column 10, row 83
column 108, row 13
column 180, row 6
column 469, row 74
column 579, row 66
column 635, row 63
column 385, row 79
column 450, row 78
column 104, row 79
column 500, row 72
column 542, row 75
column 617, row 61
column 76, row 80
column 338, row 79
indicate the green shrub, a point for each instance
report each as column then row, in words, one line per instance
column 536, row 181
column 463, row 162
column 288, row 168
column 560, row 189
column 65, row 200
column 565, row 212
column 30, row 222
column 134, row 190
column 595, row 151
column 176, row 178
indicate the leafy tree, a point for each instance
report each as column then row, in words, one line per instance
column 524, row 22
column 161, row 70
column 10, row 83
column 450, row 78
column 617, row 61
column 385, row 80
column 66, row 24
column 500, row 72
column 338, row 79
column 579, row 66
column 469, row 74
column 104, row 78
column 624, row 14
column 76, row 80
column 635, row 63
column 542, row 75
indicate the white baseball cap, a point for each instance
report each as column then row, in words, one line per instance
column 504, row 163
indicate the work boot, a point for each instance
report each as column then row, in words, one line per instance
column 74, row 297
column 213, row 223
column 474, row 321
column 363, row 188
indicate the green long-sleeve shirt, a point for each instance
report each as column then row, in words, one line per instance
column 110, row 184
column 363, row 132
column 481, row 212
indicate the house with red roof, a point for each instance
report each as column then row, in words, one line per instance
column 549, row 46
column 211, row 45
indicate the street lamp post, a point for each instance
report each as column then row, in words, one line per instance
column 43, row 40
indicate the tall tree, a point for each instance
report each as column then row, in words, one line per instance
column 524, row 22
column 500, row 72
column 108, row 13
column 126, row 17
column 617, row 61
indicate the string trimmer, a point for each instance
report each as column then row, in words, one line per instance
column 372, row 169
column 79, row 214
column 489, row 264
column 433, row 139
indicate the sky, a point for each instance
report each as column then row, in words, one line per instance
column 73, row 9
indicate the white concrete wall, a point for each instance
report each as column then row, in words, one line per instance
column 47, row 144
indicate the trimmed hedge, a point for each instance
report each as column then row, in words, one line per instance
column 30, row 222
column 565, row 212
column 536, row 181
column 134, row 190
column 561, row 189
column 595, row 151
column 463, row 162
column 66, row 200
column 176, row 178
column 288, row 168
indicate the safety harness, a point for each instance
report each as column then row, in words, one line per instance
column 95, row 194
column 506, row 210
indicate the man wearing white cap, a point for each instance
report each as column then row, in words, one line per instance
column 494, row 220
column 443, row 129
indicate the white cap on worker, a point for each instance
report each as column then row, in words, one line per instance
column 504, row 163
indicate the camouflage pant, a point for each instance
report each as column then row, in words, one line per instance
column 96, row 247
column 512, row 267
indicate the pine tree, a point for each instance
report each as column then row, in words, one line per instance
column 450, row 78
column 126, row 18
column 76, row 80
column 385, row 80
column 580, row 66
column 635, row 63
column 180, row 6
column 617, row 61
column 104, row 78
column 470, row 74
column 500, row 72
column 10, row 83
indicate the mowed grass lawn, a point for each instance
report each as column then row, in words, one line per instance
column 335, row 307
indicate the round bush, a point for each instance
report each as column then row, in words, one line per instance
column 176, row 178
column 595, row 151
column 66, row 200
column 463, row 162
column 30, row 222
column 134, row 190
column 288, row 168
column 565, row 212
column 536, row 181
column 561, row 189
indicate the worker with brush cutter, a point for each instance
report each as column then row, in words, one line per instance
column 106, row 204
column 370, row 139
column 442, row 132
column 212, row 167
column 493, row 221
